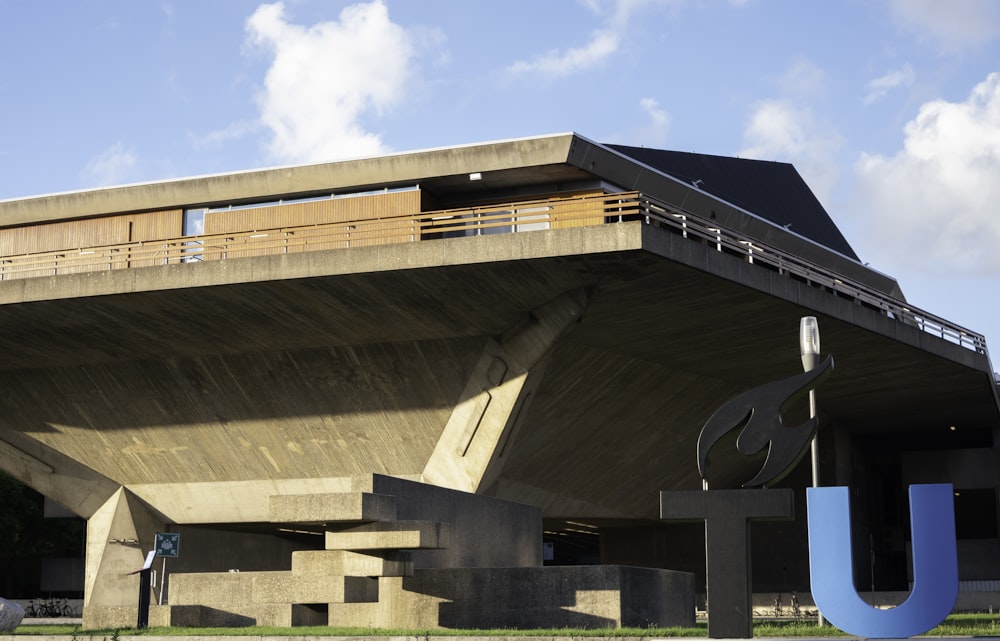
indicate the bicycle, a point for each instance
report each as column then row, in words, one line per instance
column 33, row 609
column 48, row 608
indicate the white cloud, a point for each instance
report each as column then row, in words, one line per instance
column 953, row 26
column 326, row 79
column 624, row 10
column 804, row 79
column 655, row 133
column 933, row 205
column 113, row 166
column 879, row 87
column 784, row 131
column 217, row 138
column 602, row 44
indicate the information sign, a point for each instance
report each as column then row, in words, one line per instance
column 168, row 544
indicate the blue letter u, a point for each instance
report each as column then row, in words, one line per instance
column 935, row 564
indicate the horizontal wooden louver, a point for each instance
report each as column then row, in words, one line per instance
column 364, row 212
column 74, row 237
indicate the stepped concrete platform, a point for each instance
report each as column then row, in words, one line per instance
column 399, row 535
column 342, row 507
column 348, row 563
column 599, row 596
column 426, row 569
column 242, row 589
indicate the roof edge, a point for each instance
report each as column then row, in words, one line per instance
column 398, row 168
column 633, row 174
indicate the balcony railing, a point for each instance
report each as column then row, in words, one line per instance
column 710, row 233
column 479, row 221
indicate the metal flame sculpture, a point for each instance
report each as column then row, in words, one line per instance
column 758, row 412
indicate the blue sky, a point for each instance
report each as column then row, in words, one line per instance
column 890, row 109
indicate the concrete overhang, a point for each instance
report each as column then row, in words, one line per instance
column 137, row 358
column 505, row 169
column 672, row 329
column 528, row 161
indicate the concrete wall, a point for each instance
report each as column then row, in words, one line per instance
column 551, row 597
column 485, row 532
column 469, row 598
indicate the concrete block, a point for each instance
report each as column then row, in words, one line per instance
column 360, row 615
column 325, row 508
column 346, row 563
column 197, row 616
column 159, row 615
column 485, row 531
column 230, row 591
column 399, row 535
column 109, row 617
column 394, row 605
column 284, row 587
column 218, row 589
column 277, row 615
column 549, row 597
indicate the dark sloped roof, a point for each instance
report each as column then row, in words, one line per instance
column 772, row 190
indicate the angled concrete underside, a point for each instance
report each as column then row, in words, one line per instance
column 565, row 369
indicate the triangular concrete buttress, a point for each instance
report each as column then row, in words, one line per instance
column 469, row 454
column 119, row 535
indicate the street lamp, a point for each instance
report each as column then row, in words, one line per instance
column 809, row 348
column 809, row 341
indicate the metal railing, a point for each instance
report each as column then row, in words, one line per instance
column 708, row 232
column 477, row 221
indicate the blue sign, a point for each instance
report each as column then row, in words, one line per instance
column 168, row 544
column 935, row 564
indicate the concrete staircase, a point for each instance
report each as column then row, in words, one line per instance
column 401, row 554
column 363, row 542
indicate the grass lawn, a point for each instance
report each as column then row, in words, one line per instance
column 963, row 625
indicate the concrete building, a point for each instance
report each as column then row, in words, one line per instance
column 546, row 321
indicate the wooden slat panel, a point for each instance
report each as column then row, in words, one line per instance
column 575, row 213
column 385, row 233
column 313, row 212
column 154, row 226
column 157, row 225
column 67, row 235
column 64, row 235
column 354, row 209
column 76, row 236
column 310, row 239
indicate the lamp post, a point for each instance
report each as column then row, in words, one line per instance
column 809, row 348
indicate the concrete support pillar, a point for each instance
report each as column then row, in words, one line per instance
column 469, row 454
column 119, row 535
